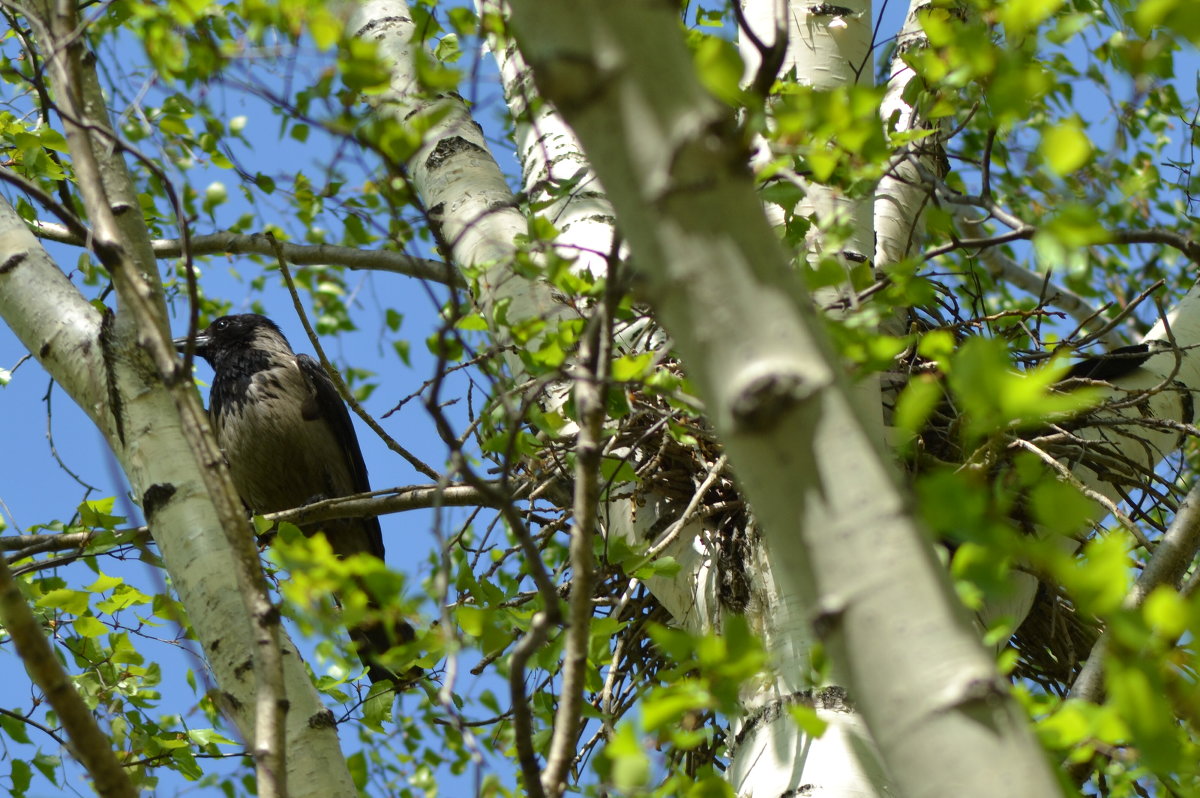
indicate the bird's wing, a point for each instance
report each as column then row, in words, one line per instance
column 327, row 404
column 1118, row 363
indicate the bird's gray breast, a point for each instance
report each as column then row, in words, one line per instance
column 282, row 452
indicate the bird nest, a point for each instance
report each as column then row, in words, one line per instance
column 673, row 452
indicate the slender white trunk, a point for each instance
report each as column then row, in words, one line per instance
column 875, row 593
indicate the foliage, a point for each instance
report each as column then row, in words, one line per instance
column 247, row 117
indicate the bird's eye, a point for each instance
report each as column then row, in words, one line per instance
column 221, row 324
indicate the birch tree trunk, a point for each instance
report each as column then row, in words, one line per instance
column 924, row 686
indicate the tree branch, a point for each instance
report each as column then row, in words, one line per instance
column 1175, row 552
column 360, row 505
column 226, row 243
column 590, row 391
column 336, row 375
column 106, row 188
column 89, row 744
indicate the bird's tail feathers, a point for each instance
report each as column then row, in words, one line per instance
column 375, row 637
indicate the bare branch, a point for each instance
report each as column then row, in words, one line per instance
column 226, row 243
column 590, row 390
column 336, row 375
column 360, row 505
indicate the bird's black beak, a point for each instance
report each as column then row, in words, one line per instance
column 200, row 343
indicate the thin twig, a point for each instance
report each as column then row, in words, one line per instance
column 336, row 376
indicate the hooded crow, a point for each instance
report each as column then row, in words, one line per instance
column 288, row 439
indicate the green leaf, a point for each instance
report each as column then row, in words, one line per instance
column 89, row 626
column 74, row 602
column 1067, row 727
column 324, row 27
column 916, row 403
column 470, row 619
column 14, row 729
column 629, row 767
column 1066, row 147
column 631, row 367
column 720, row 68
column 47, row 765
column 1060, row 508
column 807, row 719
column 1019, row 17
column 1100, row 581
column 105, row 583
column 377, row 710
column 617, row 471
column 661, row 566
column 208, row 737
column 21, row 776
column 1166, row 612
column 98, row 513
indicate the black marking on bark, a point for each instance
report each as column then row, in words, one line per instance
column 44, row 352
column 155, row 498
column 984, row 691
column 13, row 262
column 107, row 346
column 244, row 668
column 323, row 719
column 766, row 398
column 1187, row 408
column 381, row 22
column 733, row 565
column 823, row 622
column 446, row 149
column 830, row 10
column 271, row 616
column 834, row 699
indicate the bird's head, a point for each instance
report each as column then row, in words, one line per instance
column 232, row 336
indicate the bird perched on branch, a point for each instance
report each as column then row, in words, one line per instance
column 288, row 439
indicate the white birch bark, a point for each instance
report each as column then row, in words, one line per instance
column 551, row 156
column 826, row 51
column 158, row 432
column 552, row 159
column 458, row 180
column 625, row 84
column 902, row 194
